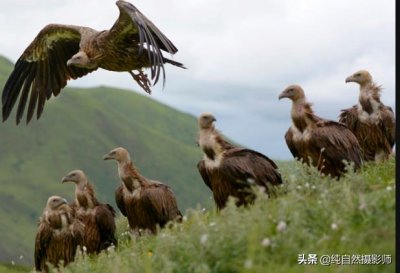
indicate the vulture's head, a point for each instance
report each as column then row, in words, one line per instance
column 82, row 60
column 76, row 176
column 206, row 120
column 361, row 77
column 55, row 202
column 293, row 92
column 119, row 154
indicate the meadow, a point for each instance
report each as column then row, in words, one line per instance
column 353, row 218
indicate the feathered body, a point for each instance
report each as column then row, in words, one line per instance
column 322, row 143
column 58, row 236
column 146, row 203
column 63, row 52
column 98, row 218
column 231, row 171
column 372, row 122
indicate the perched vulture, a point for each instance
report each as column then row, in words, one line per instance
column 146, row 203
column 371, row 121
column 231, row 171
column 323, row 143
column 63, row 52
column 97, row 217
column 58, row 236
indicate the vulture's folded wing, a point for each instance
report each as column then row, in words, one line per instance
column 119, row 199
column 388, row 124
column 42, row 240
column 133, row 26
column 246, row 166
column 42, row 70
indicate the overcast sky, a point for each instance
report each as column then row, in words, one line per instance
column 240, row 55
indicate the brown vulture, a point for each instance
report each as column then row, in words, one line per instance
column 231, row 171
column 97, row 217
column 372, row 122
column 58, row 236
column 322, row 143
column 63, row 52
column 146, row 203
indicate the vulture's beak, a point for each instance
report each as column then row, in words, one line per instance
column 65, row 179
column 349, row 79
column 107, row 157
column 69, row 62
column 64, row 201
column 214, row 119
column 282, row 95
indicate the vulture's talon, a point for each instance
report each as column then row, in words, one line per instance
column 142, row 80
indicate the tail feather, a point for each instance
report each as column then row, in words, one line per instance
column 178, row 64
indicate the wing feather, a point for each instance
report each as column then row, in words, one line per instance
column 119, row 199
column 132, row 23
column 42, row 68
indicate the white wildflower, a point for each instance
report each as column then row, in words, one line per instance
column 362, row 206
column 21, row 257
column 248, row 263
column 298, row 187
column 266, row 242
column 184, row 218
column 251, row 180
column 203, row 239
column 307, row 185
column 12, row 262
column 334, row 226
column 84, row 249
column 203, row 210
column 388, row 188
column 281, row 226
column 212, row 224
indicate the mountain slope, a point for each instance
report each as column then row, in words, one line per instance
column 76, row 130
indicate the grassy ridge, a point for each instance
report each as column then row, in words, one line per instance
column 76, row 130
column 312, row 215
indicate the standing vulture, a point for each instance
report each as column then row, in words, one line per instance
column 146, row 203
column 323, row 143
column 371, row 121
column 58, row 235
column 63, row 52
column 231, row 171
column 97, row 217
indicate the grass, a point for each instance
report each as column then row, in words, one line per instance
column 311, row 215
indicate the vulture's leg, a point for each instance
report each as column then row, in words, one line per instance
column 142, row 80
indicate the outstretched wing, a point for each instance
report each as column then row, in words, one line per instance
column 133, row 25
column 42, row 70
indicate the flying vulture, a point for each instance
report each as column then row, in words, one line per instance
column 146, row 203
column 231, row 171
column 322, row 143
column 63, row 52
column 97, row 217
column 58, row 236
column 372, row 122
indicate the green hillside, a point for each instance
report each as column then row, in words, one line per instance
column 76, row 130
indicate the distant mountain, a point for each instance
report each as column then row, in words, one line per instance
column 77, row 128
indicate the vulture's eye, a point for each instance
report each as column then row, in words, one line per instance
column 358, row 75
